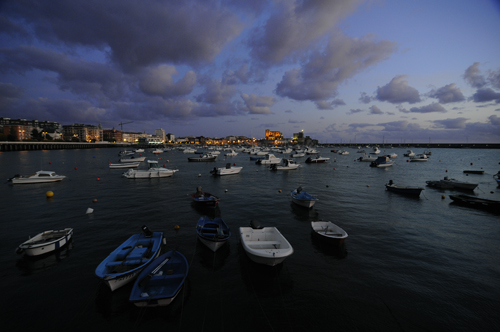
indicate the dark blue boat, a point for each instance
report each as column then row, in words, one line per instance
column 213, row 233
column 161, row 281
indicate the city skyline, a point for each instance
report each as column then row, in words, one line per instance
column 341, row 71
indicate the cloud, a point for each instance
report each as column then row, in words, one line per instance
column 375, row 110
column 321, row 74
column 354, row 111
column 395, row 125
column 365, row 99
column 159, row 81
column 494, row 79
column 326, row 105
column 473, row 76
column 398, row 91
column 9, row 95
column 360, row 125
column 432, row 108
column 485, row 95
column 495, row 120
column 447, row 94
column 258, row 104
column 458, row 123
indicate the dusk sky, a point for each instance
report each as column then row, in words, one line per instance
column 401, row 71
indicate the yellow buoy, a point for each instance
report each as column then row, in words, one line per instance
column 176, row 227
column 49, row 194
column 443, row 197
column 279, row 191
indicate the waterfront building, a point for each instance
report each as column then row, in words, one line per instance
column 83, row 132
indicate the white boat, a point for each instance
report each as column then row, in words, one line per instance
column 418, row 158
column 139, row 150
column 154, row 171
column 375, row 150
column 285, row 165
column 264, row 245
column 189, row 150
column 132, row 159
column 311, row 151
column 393, row 155
column 124, row 165
column 409, row 153
column 45, row 242
column 157, row 151
column 203, row 158
column 448, row 183
column 126, row 153
column 297, row 155
column 343, row 152
column 316, row 160
column 228, row 170
column 269, row 160
column 231, row 154
column 303, row 198
column 382, row 161
column 38, row 177
column 329, row 232
column 367, row 158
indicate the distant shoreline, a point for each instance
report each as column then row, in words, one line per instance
column 33, row 146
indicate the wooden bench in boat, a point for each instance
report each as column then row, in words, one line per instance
column 261, row 244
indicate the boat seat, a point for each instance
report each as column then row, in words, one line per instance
column 137, row 253
column 262, row 242
column 160, row 280
column 127, row 262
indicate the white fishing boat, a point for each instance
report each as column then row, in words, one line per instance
column 328, row 232
column 45, row 242
column 157, row 151
column 204, row 157
column 264, row 245
column 303, row 198
column 297, row 155
column 132, row 159
column 418, row 158
column 232, row 153
column 124, row 165
column 154, row 171
column 375, row 150
column 139, row 150
column 316, row 160
column 228, row 170
column 382, row 161
column 269, row 160
column 448, row 183
column 409, row 153
column 366, row 158
column 285, row 165
column 343, row 152
column 38, row 177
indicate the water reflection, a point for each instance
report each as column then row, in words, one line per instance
column 29, row 265
column 338, row 251
column 212, row 260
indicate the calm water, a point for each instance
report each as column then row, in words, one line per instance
column 408, row 264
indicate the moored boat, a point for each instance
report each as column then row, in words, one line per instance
column 228, row 170
column 448, row 183
column 409, row 153
column 125, row 263
column 161, row 281
column 316, row 160
column 213, row 233
column 154, row 171
column 367, row 158
column 45, row 242
column 204, row 198
column 124, row 165
column 476, row 202
column 303, row 198
column 204, row 157
column 328, row 232
column 418, row 158
column 497, row 178
column 132, row 159
column 405, row 190
column 471, row 171
column 37, row 177
column 382, row 161
column 285, row 165
column 269, row 159
column 264, row 245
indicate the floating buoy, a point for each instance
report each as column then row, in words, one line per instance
column 176, row 227
column 50, row 163
column 367, row 185
column 199, row 175
column 164, row 165
column 407, row 160
column 334, row 168
column 49, row 194
column 443, row 196
column 90, row 210
column 76, row 168
column 471, row 164
column 94, row 200
column 234, row 164
column 225, row 190
column 446, row 171
column 98, row 179
column 279, row 190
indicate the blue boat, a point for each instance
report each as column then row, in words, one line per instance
column 203, row 198
column 303, row 198
column 126, row 262
column 382, row 161
column 161, row 281
column 213, row 233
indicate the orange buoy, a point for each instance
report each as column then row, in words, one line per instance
column 94, row 200
column 98, row 179
column 76, row 168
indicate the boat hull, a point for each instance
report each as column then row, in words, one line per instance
column 328, row 233
column 124, row 165
column 265, row 246
column 212, row 233
column 412, row 191
column 303, row 199
column 475, row 202
column 46, row 242
column 148, row 174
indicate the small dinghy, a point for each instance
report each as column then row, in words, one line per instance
column 404, row 190
column 302, row 198
column 328, row 232
column 264, row 245
column 128, row 260
column 213, row 233
column 202, row 198
column 45, row 242
column 160, row 282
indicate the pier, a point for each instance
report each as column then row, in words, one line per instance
column 29, row 146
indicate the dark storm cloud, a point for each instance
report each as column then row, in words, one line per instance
column 398, row 91
column 81, row 77
column 473, row 76
column 447, row 94
column 9, row 95
column 375, row 110
column 12, row 28
column 294, row 25
column 432, row 108
column 159, row 81
column 137, row 33
column 325, row 69
column 458, row 123
column 485, row 95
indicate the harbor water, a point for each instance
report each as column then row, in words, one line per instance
column 409, row 264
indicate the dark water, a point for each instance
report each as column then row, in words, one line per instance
column 408, row 265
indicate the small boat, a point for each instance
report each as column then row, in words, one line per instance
column 157, row 151
column 475, row 202
column 303, row 198
column 448, row 183
column 38, row 177
column 470, row 171
column 139, row 150
column 418, row 158
column 269, row 159
column 203, row 198
column 405, row 190
column 286, row 165
column 212, row 233
column 204, row 157
column 343, row 152
column 228, row 170
column 311, row 151
column 382, row 161
column 328, row 232
column 497, row 178
column 161, row 281
column 428, row 152
column 297, row 155
column 316, row 160
column 130, row 258
column 367, row 158
column 132, row 159
column 45, row 242
column 126, row 153
column 124, row 165
column 189, row 150
column 375, row 150
column 393, row 155
column 264, row 245
column 231, row 154
column 409, row 153
column 154, row 171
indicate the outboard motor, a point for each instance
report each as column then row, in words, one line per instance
column 299, row 189
column 146, row 231
column 255, row 224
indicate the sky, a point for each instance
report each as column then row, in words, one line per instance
column 341, row 71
